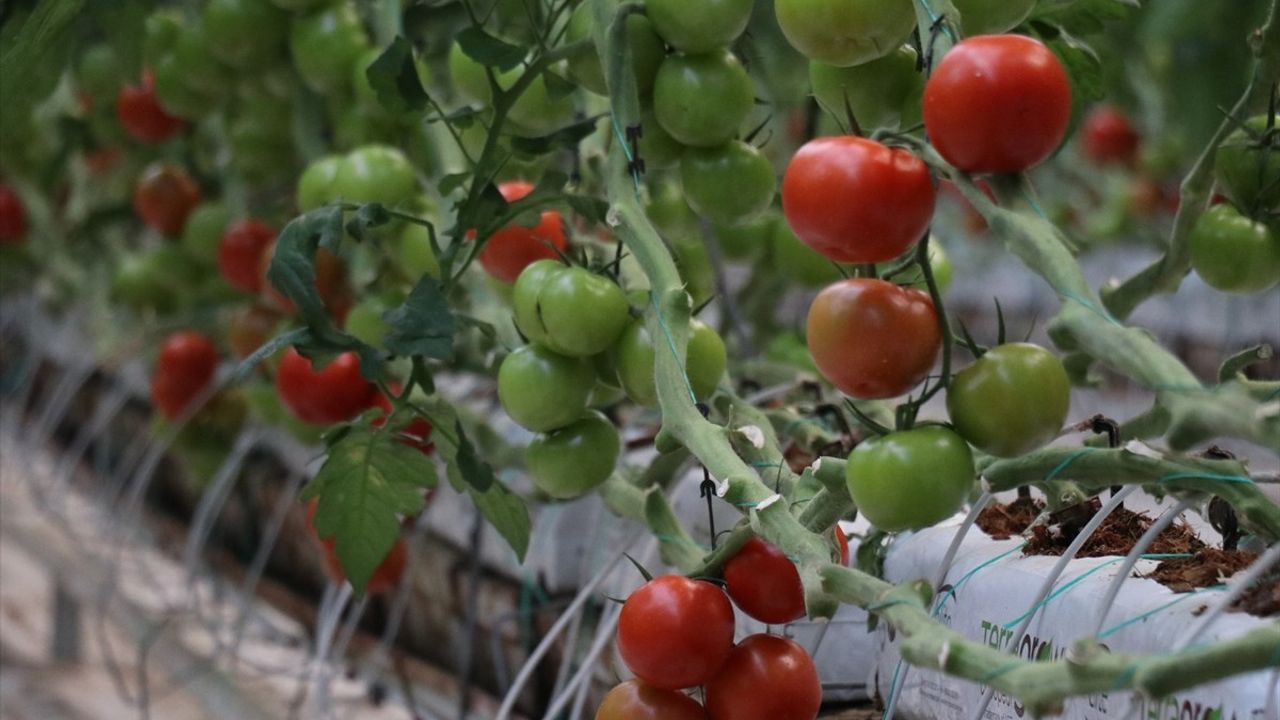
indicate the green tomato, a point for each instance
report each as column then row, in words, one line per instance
column 262, row 151
column 570, row 310
column 203, row 231
column 1232, row 253
column 576, row 459
column 647, row 51
column 365, row 323
column 158, row 280
column 911, row 479
column 914, row 277
column 326, row 44
column 882, row 93
column 669, row 212
column 701, row 100
column 634, row 358
column 543, row 391
column 413, row 254
column 99, row 73
column 376, row 174
column 798, row 262
column 189, row 80
column 245, row 33
column 161, row 31
column 1248, row 168
column 731, row 183
column 698, row 27
column 1011, row 400
column 536, row 113
column 318, row 184
column 659, row 150
column 992, row 17
column 789, row 348
column 845, row 32
column 746, row 240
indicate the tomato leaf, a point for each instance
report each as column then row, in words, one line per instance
column 489, row 50
column 394, row 77
column 452, row 182
column 424, row 324
column 368, row 480
column 1082, row 17
column 590, row 208
column 566, row 137
column 366, row 218
column 474, row 472
column 557, row 87
column 507, row 513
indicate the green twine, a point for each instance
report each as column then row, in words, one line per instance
column 626, row 152
column 997, row 672
column 1070, row 459
column 933, row 20
column 1143, row 616
column 671, row 345
column 951, row 591
column 1126, row 676
column 1074, row 581
column 1100, row 312
column 1206, row 476
column 680, row 539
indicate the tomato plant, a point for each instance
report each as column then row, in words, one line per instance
column 184, row 368
column 570, row 310
column 1107, row 136
column 633, row 700
column 871, row 338
column 385, row 577
column 764, row 583
column 325, row 44
column 1232, row 253
column 511, row 249
column 331, row 394
column 1247, row 165
column 845, row 33
column 910, row 479
column 997, row 104
column 245, row 33
column 544, row 391
column 989, row 17
column 1011, row 400
column 766, row 677
column 634, row 357
column 573, row 460
column 728, row 184
column 241, row 251
column 882, row 93
column 164, row 196
column 141, row 115
column 855, row 200
column 675, row 632
column 699, row 27
column 647, row 51
column 13, row 217
column 416, row 433
column 701, row 100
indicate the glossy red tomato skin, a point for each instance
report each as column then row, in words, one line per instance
column 767, row 677
column 633, row 700
column 510, row 250
column 842, row 544
column 141, row 115
column 184, row 368
column 240, row 253
column 385, row 577
column 323, row 397
column 873, row 339
column 855, row 200
column 764, row 583
column 331, row 283
column 997, row 104
column 13, row 217
column 674, row 633
column 164, row 196
column 416, row 434
column 1107, row 136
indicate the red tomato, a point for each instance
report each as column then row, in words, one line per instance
column 1109, row 137
column 385, row 577
column 766, row 677
column 142, row 116
column 249, row 329
column 855, row 200
column 764, row 583
column 633, row 700
column 164, row 197
column 842, row 543
column 331, row 283
column 997, row 104
column 873, row 339
column 13, row 217
column 417, row 434
column 185, row 367
column 511, row 249
column 240, row 253
column 322, row 397
column 674, row 632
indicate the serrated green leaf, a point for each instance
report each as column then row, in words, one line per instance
column 452, row 182
column 475, row 472
column 292, row 270
column 1083, row 66
column 566, row 137
column 424, row 324
column 368, row 480
column 508, row 514
column 489, row 50
column 394, row 78
column 1082, row 17
column 366, row 218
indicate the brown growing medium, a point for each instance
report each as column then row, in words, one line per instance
column 1002, row 521
column 1211, row 566
column 1116, row 536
